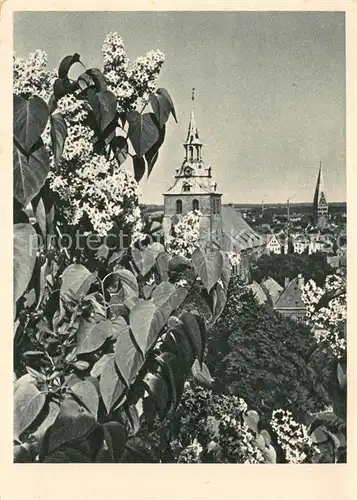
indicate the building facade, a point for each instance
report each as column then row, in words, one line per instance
column 194, row 189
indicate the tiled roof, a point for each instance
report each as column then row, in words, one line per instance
column 237, row 230
column 272, row 288
column 258, row 292
column 290, row 297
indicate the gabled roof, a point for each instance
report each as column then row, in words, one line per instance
column 237, row 230
column 258, row 292
column 290, row 297
column 272, row 288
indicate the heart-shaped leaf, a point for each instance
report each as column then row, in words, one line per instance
column 153, row 153
column 72, row 423
column 88, row 395
column 111, row 387
column 108, row 108
column 93, row 335
column 128, row 282
column 143, row 131
column 161, row 108
column 139, row 168
column 28, row 402
column 202, row 375
column 208, row 267
column 128, row 358
column 30, row 118
column 194, row 333
column 58, row 135
column 164, row 93
column 99, row 365
column 146, row 322
column 166, row 294
column 98, row 78
column 29, row 173
column 25, row 249
column 76, row 279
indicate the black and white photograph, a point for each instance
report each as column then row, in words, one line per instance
column 179, row 237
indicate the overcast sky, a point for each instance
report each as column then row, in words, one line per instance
column 270, row 91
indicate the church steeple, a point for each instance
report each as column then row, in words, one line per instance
column 193, row 144
column 320, row 205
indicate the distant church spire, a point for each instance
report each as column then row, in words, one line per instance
column 320, row 205
column 192, row 134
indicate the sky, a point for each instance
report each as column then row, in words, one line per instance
column 270, row 91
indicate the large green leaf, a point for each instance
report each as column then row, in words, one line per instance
column 194, row 332
column 143, row 131
column 161, row 108
column 98, row 78
column 99, row 365
column 28, row 402
column 29, row 173
column 208, row 267
column 39, row 210
column 93, row 335
column 162, row 264
column 202, row 375
column 88, row 395
column 145, row 259
column 52, row 412
column 72, row 423
column 76, row 279
column 146, row 322
column 66, row 64
column 58, row 135
column 128, row 358
column 139, row 167
column 111, row 387
column 108, row 108
column 128, row 282
column 30, row 118
column 166, row 95
column 25, row 248
column 157, row 388
column 119, row 326
column 168, row 295
column 119, row 146
column 153, row 153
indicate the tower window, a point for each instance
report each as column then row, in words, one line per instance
column 186, row 188
column 218, row 206
column 179, row 207
column 214, row 205
column 195, row 205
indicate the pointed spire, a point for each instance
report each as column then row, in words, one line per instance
column 192, row 134
column 320, row 188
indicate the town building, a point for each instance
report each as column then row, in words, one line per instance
column 194, row 189
column 290, row 303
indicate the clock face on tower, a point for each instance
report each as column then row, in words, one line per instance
column 188, row 171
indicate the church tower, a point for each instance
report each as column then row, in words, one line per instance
column 195, row 189
column 320, row 204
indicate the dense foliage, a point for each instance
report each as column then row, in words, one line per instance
column 264, row 357
column 103, row 343
column 110, row 335
column 281, row 266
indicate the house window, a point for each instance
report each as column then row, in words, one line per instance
column 179, row 207
column 195, row 205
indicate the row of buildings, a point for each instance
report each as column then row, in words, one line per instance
column 223, row 227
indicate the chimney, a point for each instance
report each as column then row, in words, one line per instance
column 300, row 281
column 286, row 281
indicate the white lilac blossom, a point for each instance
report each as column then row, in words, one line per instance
column 129, row 84
column 186, row 235
column 31, row 77
column 293, row 437
column 329, row 321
